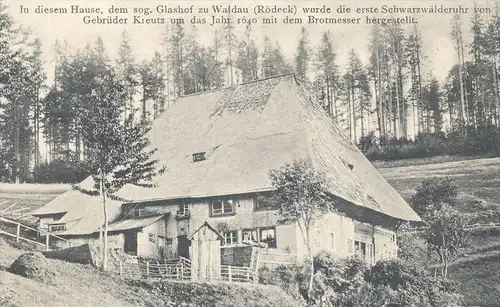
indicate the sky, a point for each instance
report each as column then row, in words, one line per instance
column 438, row 48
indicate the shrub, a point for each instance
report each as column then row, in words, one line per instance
column 60, row 171
column 368, row 142
column 408, row 249
column 286, row 277
column 407, row 284
column 350, row 283
column 432, row 193
column 480, row 141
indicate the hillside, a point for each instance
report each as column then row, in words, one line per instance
column 83, row 286
column 477, row 178
column 477, row 272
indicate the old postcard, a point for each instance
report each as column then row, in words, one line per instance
column 260, row 153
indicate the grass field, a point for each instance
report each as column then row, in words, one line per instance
column 478, row 179
column 478, row 272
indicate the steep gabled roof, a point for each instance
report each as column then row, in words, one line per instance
column 247, row 130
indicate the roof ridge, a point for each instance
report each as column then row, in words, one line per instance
column 238, row 85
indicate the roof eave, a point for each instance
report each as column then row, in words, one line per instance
column 359, row 212
column 201, row 196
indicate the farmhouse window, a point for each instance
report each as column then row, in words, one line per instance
column 221, row 207
column 169, row 241
column 57, row 227
column 263, row 202
column 332, row 241
column 138, row 211
column 350, row 247
column 250, row 235
column 230, row 237
column 360, row 248
column 317, row 238
column 199, row 156
column 183, row 209
column 363, row 250
column 268, row 236
column 152, row 237
column 183, row 212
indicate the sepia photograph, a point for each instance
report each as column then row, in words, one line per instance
column 308, row 153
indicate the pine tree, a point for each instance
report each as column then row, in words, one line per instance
column 456, row 34
column 479, row 112
column 159, row 82
column 273, row 60
column 37, row 78
column 413, row 53
column 146, row 87
column 432, row 102
column 215, row 69
column 327, row 79
column 358, row 94
column 376, row 74
column 127, row 72
column 230, row 41
column 177, row 56
column 248, row 57
column 302, row 57
column 15, row 90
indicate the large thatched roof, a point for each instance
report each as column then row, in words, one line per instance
column 247, row 130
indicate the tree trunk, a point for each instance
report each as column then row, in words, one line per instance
column 362, row 114
column 105, row 235
column 497, row 100
column 311, row 265
column 464, row 84
column 15, row 171
column 144, row 111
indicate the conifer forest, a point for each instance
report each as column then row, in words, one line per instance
column 389, row 103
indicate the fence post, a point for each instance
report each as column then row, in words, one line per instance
column 121, row 268
column 147, row 268
column 47, row 242
column 182, row 271
column 229, row 273
column 18, row 231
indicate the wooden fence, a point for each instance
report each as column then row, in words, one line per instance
column 14, row 211
column 273, row 258
column 17, row 230
column 238, row 274
column 178, row 270
column 182, row 270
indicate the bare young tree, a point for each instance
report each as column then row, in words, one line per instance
column 301, row 198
